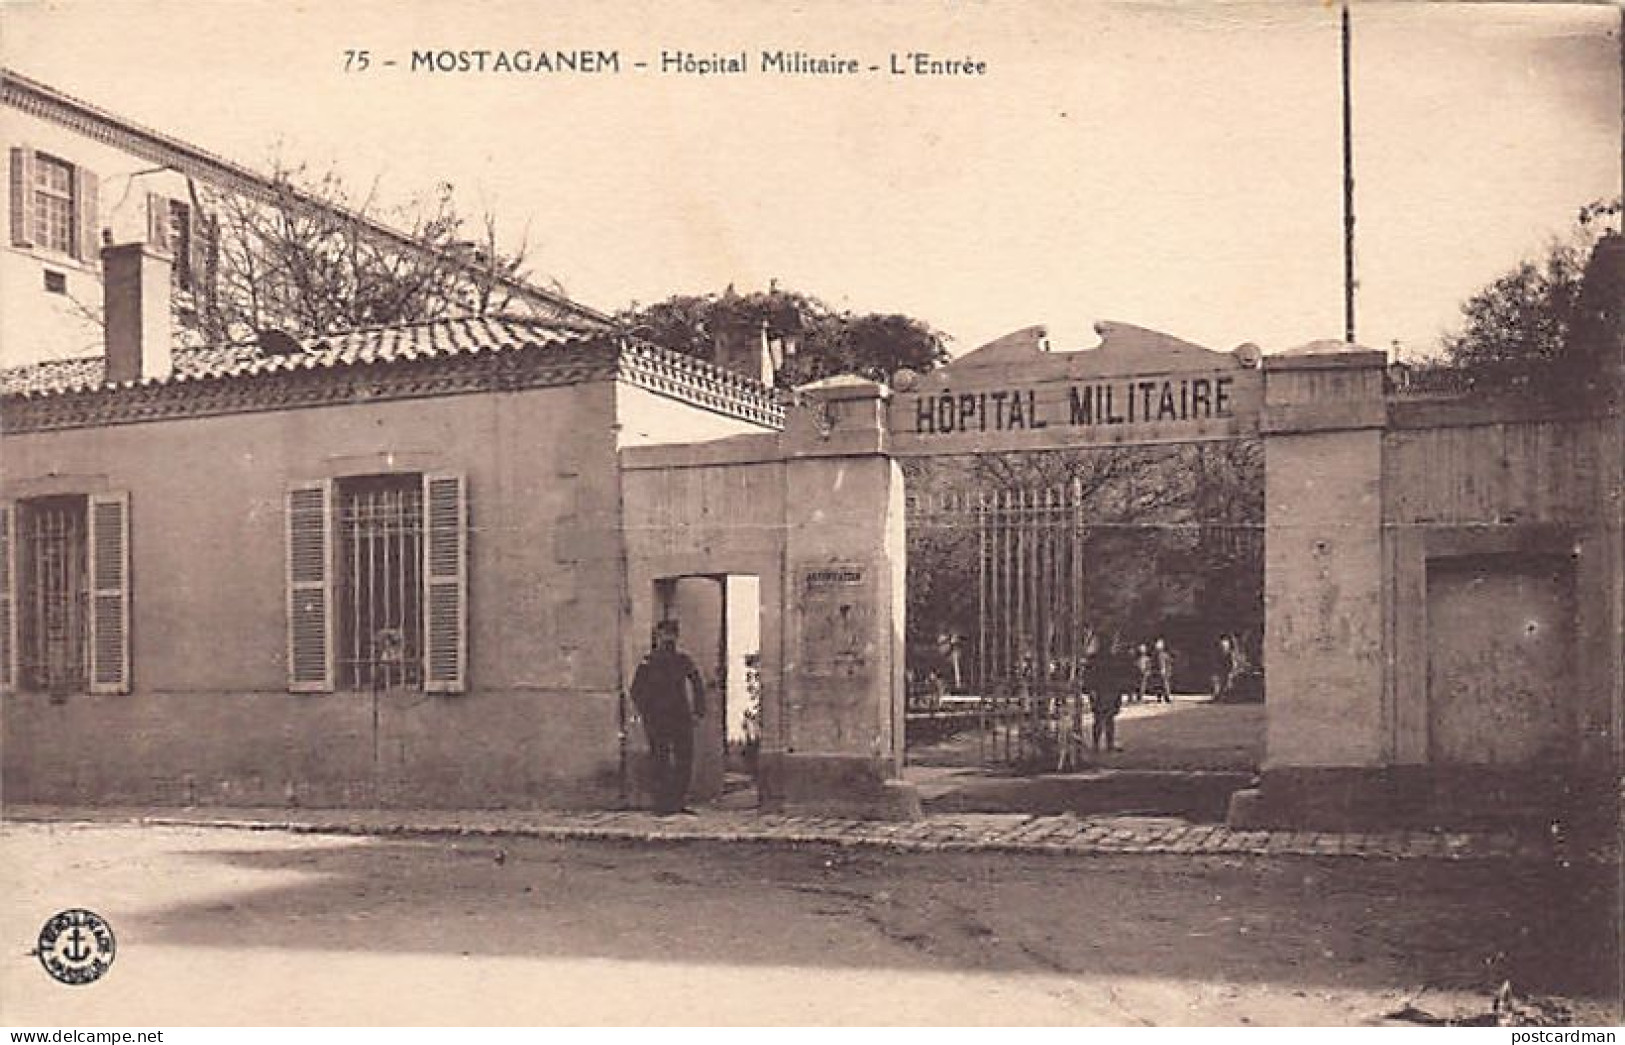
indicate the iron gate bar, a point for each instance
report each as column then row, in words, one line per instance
column 1030, row 628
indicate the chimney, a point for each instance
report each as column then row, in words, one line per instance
column 135, row 298
column 742, row 347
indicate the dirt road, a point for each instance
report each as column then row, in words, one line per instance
column 228, row 927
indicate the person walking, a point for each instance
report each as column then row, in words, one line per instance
column 1142, row 661
column 1162, row 671
column 669, row 695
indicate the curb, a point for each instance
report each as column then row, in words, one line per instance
column 1047, row 836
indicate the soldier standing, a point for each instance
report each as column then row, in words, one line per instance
column 670, row 698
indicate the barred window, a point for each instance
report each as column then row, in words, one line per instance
column 65, row 593
column 53, row 594
column 53, row 203
column 380, row 581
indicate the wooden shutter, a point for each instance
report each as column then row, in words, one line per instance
column 22, row 196
column 158, row 222
column 87, row 215
column 110, row 593
column 197, row 261
column 445, row 571
column 310, row 588
column 8, row 600
column 205, row 264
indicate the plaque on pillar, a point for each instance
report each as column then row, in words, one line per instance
column 837, row 618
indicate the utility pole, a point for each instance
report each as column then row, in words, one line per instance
column 1348, row 187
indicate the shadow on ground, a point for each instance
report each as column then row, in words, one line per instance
column 1294, row 923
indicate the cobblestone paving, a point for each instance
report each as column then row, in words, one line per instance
column 988, row 832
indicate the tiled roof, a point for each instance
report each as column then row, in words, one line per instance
column 468, row 354
column 442, row 337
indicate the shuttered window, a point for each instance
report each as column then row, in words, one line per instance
column 191, row 239
column 65, row 614
column 54, row 205
column 377, row 584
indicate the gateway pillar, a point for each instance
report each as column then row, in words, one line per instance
column 839, row 728
column 1328, row 736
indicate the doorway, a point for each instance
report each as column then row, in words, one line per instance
column 1030, row 572
column 719, row 627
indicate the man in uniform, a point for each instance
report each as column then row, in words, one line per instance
column 1113, row 675
column 670, row 698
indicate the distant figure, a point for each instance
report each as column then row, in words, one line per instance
column 669, row 695
column 1143, row 662
column 1112, row 678
column 952, row 648
column 1162, row 672
column 1226, row 671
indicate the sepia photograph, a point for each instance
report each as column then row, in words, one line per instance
column 917, row 513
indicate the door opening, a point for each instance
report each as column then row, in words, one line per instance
column 719, row 628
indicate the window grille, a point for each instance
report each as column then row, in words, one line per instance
column 380, row 574
column 53, row 203
column 54, row 594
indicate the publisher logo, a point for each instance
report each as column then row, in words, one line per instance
column 76, row 946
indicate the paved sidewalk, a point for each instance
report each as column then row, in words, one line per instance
column 985, row 832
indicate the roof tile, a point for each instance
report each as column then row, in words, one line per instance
column 441, row 337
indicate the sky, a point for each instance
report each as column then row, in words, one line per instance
column 1174, row 166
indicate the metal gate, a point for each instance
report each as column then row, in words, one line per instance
column 1023, row 551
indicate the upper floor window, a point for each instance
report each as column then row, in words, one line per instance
column 53, row 205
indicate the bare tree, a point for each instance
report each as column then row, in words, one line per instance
column 309, row 257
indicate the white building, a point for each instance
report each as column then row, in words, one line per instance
column 81, row 176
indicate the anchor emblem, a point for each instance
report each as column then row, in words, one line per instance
column 76, row 951
column 76, row 947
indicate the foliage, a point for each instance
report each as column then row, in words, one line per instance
column 819, row 342
column 306, row 258
column 1521, row 331
column 1171, row 539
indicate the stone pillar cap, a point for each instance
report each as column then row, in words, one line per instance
column 845, row 386
column 1326, row 353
